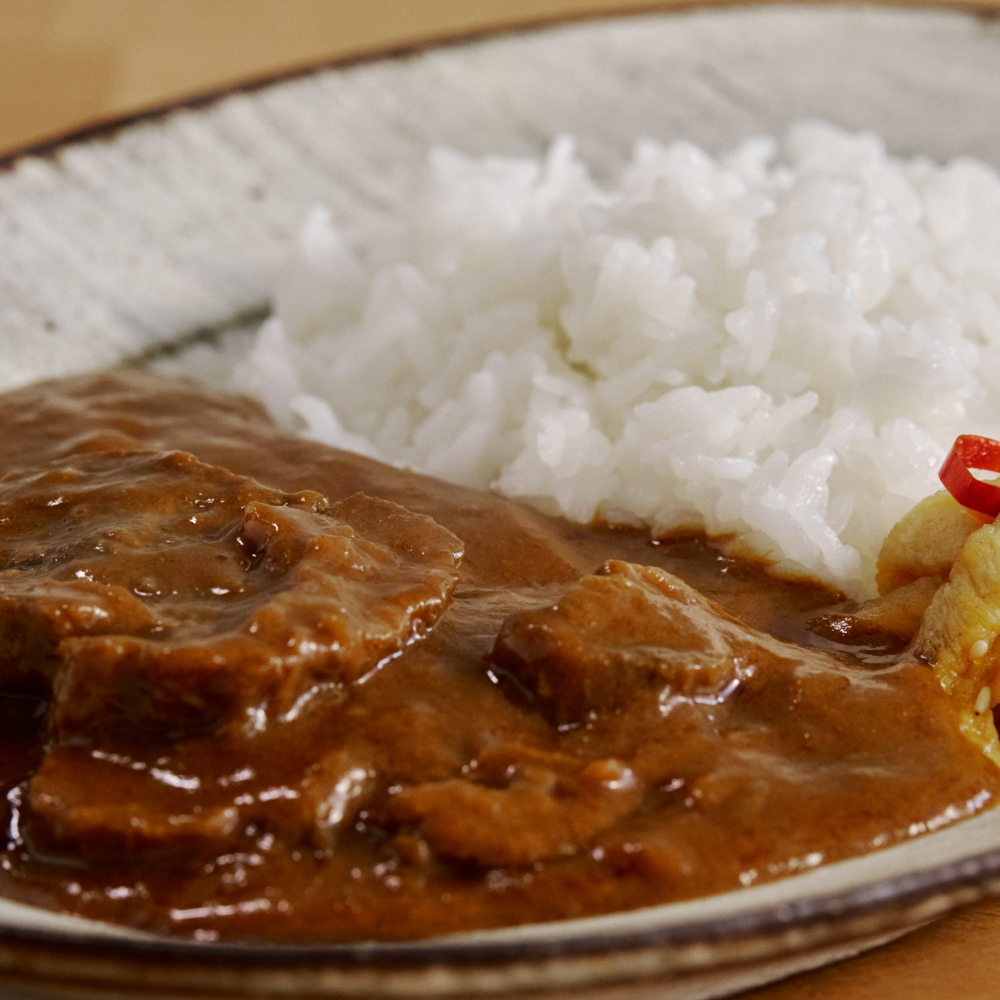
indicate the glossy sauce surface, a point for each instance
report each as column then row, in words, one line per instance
column 563, row 729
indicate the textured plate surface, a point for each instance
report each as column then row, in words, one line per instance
column 175, row 225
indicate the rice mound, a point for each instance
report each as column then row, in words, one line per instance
column 778, row 345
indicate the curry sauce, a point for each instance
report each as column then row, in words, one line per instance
column 255, row 687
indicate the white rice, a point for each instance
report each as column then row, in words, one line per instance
column 779, row 345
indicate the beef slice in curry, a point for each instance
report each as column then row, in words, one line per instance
column 261, row 693
column 152, row 590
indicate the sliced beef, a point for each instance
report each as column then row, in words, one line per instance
column 891, row 620
column 537, row 812
column 103, row 805
column 627, row 634
column 153, row 590
column 139, row 808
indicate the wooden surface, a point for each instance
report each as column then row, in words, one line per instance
column 66, row 64
column 69, row 64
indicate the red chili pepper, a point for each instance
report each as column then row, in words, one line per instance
column 972, row 452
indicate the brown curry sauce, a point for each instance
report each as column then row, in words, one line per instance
column 539, row 725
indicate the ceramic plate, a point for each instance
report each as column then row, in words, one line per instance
column 171, row 228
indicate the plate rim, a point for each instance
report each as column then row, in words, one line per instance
column 893, row 898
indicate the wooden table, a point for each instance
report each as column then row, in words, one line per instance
column 70, row 64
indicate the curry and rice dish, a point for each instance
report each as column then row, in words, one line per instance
column 366, row 659
column 254, row 686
